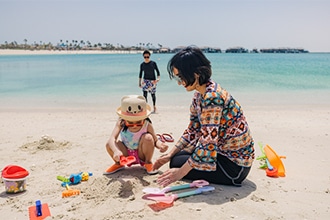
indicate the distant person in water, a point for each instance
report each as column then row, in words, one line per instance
column 147, row 78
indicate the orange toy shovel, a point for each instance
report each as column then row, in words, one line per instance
column 39, row 211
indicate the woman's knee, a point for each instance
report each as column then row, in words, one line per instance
column 178, row 160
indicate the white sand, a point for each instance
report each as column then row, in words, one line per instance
column 301, row 134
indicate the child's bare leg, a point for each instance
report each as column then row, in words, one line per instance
column 146, row 148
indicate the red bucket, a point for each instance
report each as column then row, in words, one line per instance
column 14, row 178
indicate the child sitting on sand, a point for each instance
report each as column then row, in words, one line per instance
column 137, row 135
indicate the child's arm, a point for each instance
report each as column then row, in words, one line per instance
column 158, row 144
column 112, row 148
column 161, row 146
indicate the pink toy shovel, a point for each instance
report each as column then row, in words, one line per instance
column 171, row 198
column 157, row 191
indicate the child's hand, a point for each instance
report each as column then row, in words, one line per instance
column 116, row 155
column 163, row 147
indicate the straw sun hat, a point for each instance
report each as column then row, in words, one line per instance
column 133, row 108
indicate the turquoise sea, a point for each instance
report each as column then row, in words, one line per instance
column 99, row 80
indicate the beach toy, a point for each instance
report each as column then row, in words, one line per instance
column 69, row 192
column 271, row 171
column 38, row 208
column 275, row 160
column 127, row 160
column 14, row 178
column 39, row 211
column 157, row 191
column 262, row 157
column 165, row 137
column 171, row 198
column 85, row 176
column 272, row 162
column 75, row 178
column 159, row 206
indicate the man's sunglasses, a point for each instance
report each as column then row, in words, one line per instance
column 146, row 57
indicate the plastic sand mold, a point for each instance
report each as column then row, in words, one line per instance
column 39, row 211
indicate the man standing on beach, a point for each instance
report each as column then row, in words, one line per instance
column 149, row 82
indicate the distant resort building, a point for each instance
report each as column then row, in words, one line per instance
column 161, row 50
column 177, row 49
column 210, row 50
column 269, row 50
column 237, row 50
column 283, row 50
column 255, row 50
column 233, row 50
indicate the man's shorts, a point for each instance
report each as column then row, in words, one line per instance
column 149, row 86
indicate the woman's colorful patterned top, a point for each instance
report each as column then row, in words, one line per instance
column 217, row 125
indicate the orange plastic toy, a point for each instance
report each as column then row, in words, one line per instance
column 127, row 160
column 275, row 160
column 70, row 192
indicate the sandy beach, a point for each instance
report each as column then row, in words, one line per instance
column 300, row 134
column 79, row 133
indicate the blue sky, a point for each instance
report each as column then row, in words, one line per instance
column 216, row 23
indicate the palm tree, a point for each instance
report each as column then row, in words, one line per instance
column 82, row 43
column 25, row 42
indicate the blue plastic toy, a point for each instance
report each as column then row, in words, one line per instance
column 74, row 178
column 38, row 208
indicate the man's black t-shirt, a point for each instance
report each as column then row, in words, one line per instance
column 149, row 70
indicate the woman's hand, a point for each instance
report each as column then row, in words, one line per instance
column 173, row 175
column 161, row 161
column 170, row 176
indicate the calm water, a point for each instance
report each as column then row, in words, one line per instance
column 101, row 79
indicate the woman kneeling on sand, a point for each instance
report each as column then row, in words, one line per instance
column 217, row 145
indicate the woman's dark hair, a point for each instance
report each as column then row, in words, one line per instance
column 189, row 61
